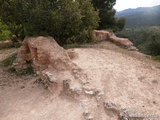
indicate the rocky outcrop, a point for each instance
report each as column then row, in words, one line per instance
column 101, row 35
column 51, row 62
column 43, row 52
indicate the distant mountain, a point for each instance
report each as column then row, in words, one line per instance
column 141, row 17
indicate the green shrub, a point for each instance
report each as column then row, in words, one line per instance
column 157, row 58
column 29, row 70
column 68, row 46
column 65, row 20
column 153, row 46
column 147, row 40
column 9, row 60
column 4, row 33
column 25, row 71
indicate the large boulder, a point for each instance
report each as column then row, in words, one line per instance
column 51, row 62
column 43, row 52
column 101, row 35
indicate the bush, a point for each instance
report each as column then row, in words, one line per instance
column 147, row 40
column 157, row 58
column 29, row 70
column 65, row 20
column 25, row 71
column 153, row 45
column 69, row 46
column 9, row 60
column 4, row 33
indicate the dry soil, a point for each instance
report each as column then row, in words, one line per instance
column 126, row 79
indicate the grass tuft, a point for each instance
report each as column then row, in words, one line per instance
column 9, row 60
column 157, row 58
column 25, row 71
column 72, row 46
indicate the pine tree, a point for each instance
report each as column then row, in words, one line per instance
column 107, row 15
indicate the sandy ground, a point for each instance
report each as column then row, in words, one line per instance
column 129, row 82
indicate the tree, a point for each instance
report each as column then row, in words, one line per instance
column 8, row 16
column 154, row 45
column 89, row 16
column 119, row 23
column 107, row 15
column 4, row 33
column 65, row 20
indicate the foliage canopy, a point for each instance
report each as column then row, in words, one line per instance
column 107, row 15
column 147, row 40
column 4, row 32
column 66, row 20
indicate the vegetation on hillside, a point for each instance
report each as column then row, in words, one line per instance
column 141, row 17
column 4, row 32
column 142, row 28
column 147, row 40
column 107, row 15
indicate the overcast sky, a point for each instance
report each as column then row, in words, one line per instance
column 125, row 4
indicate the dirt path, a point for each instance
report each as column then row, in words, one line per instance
column 124, row 80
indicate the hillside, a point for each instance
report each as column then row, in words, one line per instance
column 141, row 17
column 119, row 83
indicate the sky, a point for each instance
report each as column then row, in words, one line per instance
column 125, row 4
